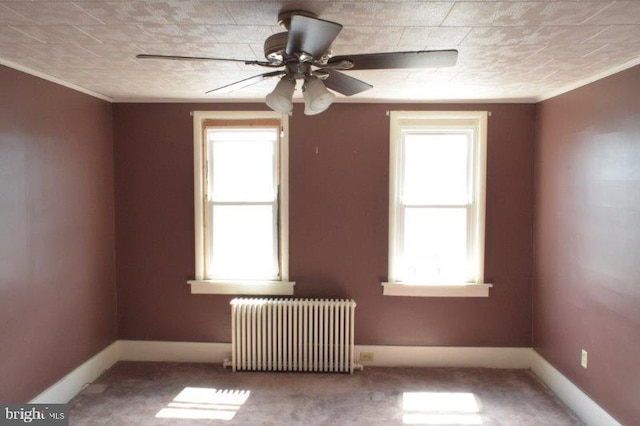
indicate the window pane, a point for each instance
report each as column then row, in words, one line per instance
column 435, row 168
column 244, row 242
column 435, row 245
column 242, row 165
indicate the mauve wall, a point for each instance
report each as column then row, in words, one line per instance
column 338, row 227
column 57, row 239
column 587, row 239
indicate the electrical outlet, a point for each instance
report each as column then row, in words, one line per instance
column 583, row 359
column 366, row 356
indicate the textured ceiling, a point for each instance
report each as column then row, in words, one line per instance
column 509, row 50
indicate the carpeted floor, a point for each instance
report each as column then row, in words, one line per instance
column 146, row 393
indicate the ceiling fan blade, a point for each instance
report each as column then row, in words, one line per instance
column 311, row 35
column 246, row 82
column 344, row 84
column 205, row 58
column 391, row 60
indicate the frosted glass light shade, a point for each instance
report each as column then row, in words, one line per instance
column 317, row 98
column 280, row 99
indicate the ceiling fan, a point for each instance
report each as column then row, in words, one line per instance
column 302, row 53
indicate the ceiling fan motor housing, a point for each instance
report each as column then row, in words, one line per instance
column 284, row 18
column 275, row 46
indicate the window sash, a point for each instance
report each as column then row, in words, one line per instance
column 468, row 205
column 402, row 274
column 260, row 142
column 409, row 131
column 210, row 263
column 211, row 272
column 472, row 124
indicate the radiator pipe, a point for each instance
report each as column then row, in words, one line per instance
column 226, row 363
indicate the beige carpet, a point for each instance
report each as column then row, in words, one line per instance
column 145, row 393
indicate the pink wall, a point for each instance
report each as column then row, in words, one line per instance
column 587, row 239
column 338, row 230
column 57, row 259
column 57, row 267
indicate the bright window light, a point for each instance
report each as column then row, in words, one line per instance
column 435, row 168
column 436, row 198
column 242, row 204
column 242, row 165
column 435, row 244
column 243, row 242
column 205, row 403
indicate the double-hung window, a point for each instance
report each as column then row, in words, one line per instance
column 436, row 204
column 241, row 203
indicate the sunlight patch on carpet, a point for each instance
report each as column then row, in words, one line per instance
column 205, row 403
column 441, row 408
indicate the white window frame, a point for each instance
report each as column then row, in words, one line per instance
column 201, row 284
column 476, row 121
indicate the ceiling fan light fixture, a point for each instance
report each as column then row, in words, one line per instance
column 281, row 99
column 317, row 98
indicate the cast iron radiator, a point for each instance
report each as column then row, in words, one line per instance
column 293, row 335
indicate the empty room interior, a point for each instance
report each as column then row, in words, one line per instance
column 430, row 209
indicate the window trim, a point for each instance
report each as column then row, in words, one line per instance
column 478, row 119
column 201, row 285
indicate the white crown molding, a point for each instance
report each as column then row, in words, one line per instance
column 589, row 80
column 526, row 100
column 52, row 79
column 351, row 100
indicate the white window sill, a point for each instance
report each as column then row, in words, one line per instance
column 266, row 288
column 434, row 290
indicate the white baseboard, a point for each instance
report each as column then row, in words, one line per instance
column 570, row 394
column 71, row 384
column 444, row 356
column 390, row 356
column 383, row 356
column 140, row 350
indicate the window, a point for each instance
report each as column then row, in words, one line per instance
column 241, row 209
column 436, row 204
